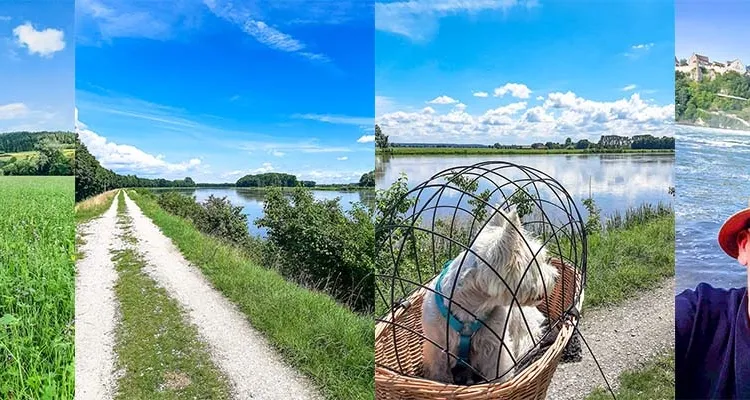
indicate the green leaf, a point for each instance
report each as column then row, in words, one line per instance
column 8, row 319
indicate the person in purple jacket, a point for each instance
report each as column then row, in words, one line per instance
column 712, row 329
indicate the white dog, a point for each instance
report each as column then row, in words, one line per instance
column 503, row 244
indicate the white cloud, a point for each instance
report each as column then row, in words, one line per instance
column 539, row 98
column 45, row 42
column 638, row 50
column 19, row 116
column 480, row 94
column 418, row 20
column 342, row 158
column 643, row 46
column 336, row 119
column 630, row 87
column 443, row 100
column 13, row 111
column 366, row 139
column 5, row 18
column 246, row 17
column 559, row 115
column 518, row 90
column 277, row 153
column 129, row 159
column 264, row 168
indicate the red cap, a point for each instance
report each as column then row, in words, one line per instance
column 728, row 232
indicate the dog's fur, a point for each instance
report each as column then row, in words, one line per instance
column 480, row 290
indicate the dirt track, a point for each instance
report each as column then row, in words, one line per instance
column 621, row 338
column 253, row 369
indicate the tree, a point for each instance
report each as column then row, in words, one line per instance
column 381, row 140
column 368, row 179
column 568, row 142
column 683, row 62
column 583, row 144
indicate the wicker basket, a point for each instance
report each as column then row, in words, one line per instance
column 531, row 383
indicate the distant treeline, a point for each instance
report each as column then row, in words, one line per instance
column 36, row 153
column 15, row 142
column 92, row 178
column 606, row 142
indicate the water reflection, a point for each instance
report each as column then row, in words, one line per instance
column 616, row 181
column 252, row 200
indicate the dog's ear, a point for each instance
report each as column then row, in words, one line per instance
column 514, row 218
column 498, row 217
column 512, row 231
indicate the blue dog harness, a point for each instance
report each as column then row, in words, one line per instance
column 465, row 330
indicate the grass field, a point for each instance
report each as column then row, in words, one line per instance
column 487, row 150
column 655, row 380
column 320, row 338
column 159, row 354
column 623, row 262
column 37, row 283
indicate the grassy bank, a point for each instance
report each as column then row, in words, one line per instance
column 655, row 380
column 159, row 354
column 322, row 339
column 37, row 283
column 94, row 206
column 623, row 262
column 488, row 150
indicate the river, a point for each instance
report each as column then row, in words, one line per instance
column 615, row 181
column 252, row 200
column 713, row 175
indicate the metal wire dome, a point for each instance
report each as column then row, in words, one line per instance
column 438, row 221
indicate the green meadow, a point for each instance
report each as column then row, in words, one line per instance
column 37, row 281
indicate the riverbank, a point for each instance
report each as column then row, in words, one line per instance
column 488, row 150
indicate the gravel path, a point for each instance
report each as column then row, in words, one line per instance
column 96, row 308
column 254, row 370
column 621, row 338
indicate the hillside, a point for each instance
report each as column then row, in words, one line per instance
column 37, row 153
column 705, row 103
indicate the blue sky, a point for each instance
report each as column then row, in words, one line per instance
column 717, row 29
column 217, row 89
column 36, row 65
column 520, row 71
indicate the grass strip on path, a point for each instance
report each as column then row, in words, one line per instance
column 93, row 207
column 321, row 338
column 655, row 380
column 159, row 355
column 623, row 262
column 37, row 286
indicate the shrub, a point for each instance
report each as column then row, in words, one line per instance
column 222, row 219
column 321, row 245
column 215, row 216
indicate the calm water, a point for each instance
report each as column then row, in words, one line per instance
column 252, row 200
column 713, row 170
column 616, row 181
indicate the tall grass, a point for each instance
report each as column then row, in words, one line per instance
column 37, row 282
column 321, row 338
column 94, row 206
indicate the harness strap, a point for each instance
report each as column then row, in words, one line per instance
column 464, row 329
